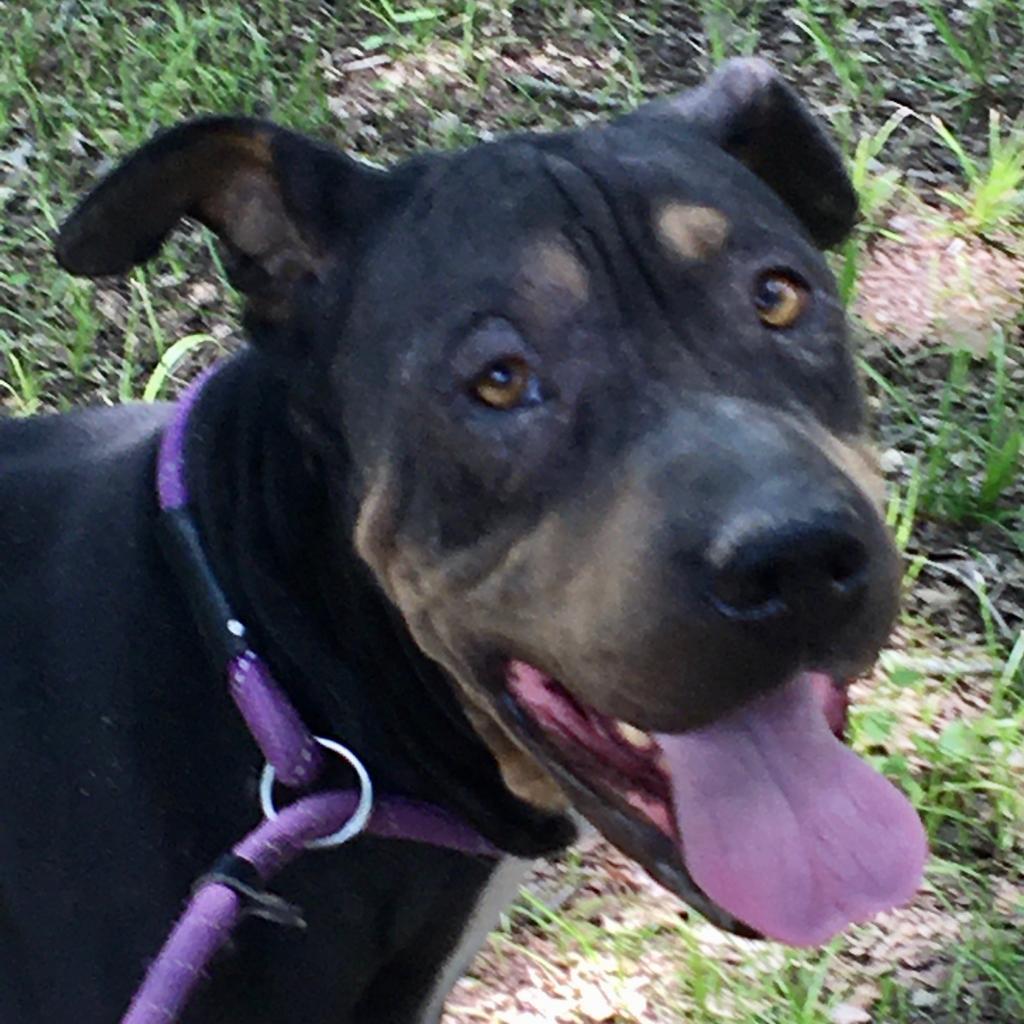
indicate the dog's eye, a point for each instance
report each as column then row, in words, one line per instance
column 779, row 300
column 506, row 383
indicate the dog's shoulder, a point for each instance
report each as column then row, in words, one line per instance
column 93, row 436
column 74, row 478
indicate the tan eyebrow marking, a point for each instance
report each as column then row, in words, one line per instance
column 691, row 232
column 552, row 264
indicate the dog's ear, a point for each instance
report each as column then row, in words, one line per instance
column 755, row 116
column 279, row 201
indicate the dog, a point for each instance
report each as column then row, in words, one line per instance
column 542, row 485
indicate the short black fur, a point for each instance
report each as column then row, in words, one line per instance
column 356, row 507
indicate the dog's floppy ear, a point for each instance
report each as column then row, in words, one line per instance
column 755, row 116
column 278, row 200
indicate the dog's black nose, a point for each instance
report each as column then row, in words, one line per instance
column 815, row 572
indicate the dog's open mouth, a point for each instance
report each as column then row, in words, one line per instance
column 780, row 826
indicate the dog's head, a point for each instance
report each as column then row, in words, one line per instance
column 608, row 458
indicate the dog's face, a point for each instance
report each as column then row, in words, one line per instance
column 608, row 457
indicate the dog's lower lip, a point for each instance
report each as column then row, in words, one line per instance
column 608, row 753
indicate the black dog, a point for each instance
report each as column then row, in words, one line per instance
column 570, row 407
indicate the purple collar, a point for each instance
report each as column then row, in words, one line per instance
column 235, row 886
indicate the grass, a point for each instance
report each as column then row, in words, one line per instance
column 927, row 115
column 730, row 27
column 828, row 27
column 994, row 197
column 877, row 187
column 969, row 445
column 974, row 43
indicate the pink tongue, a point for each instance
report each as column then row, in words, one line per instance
column 785, row 827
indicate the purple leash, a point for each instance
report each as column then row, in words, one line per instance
column 294, row 757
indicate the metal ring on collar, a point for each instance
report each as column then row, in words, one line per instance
column 360, row 816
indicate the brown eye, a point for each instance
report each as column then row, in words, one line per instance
column 779, row 300
column 506, row 383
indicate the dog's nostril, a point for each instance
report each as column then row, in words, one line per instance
column 743, row 592
column 749, row 595
column 805, row 570
column 848, row 566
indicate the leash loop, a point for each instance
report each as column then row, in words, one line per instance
column 360, row 816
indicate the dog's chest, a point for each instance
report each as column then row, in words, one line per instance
column 494, row 898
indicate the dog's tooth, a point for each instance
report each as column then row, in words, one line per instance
column 633, row 736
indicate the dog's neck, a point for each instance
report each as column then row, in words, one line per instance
column 282, row 553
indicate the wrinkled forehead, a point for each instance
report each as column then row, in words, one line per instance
column 495, row 204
